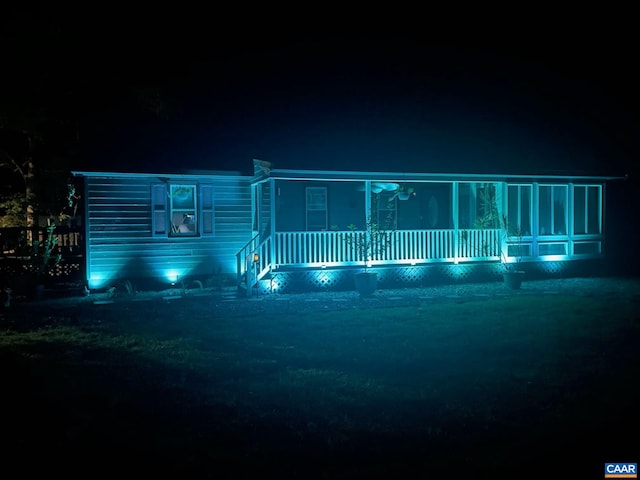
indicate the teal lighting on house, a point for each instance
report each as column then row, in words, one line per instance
column 170, row 227
column 554, row 258
column 326, row 277
column 552, row 267
column 172, row 276
column 274, row 285
column 553, row 264
column 98, row 281
column 458, row 271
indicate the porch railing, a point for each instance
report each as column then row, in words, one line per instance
column 253, row 261
column 17, row 249
column 15, row 239
column 407, row 246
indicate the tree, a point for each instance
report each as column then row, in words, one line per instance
column 49, row 96
column 17, row 155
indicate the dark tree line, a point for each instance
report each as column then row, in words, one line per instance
column 57, row 95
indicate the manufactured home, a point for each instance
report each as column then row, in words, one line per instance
column 282, row 230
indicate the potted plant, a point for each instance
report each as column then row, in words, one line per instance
column 368, row 244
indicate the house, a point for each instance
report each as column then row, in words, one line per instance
column 283, row 230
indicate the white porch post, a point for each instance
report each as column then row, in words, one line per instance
column 602, row 211
column 272, row 219
column 367, row 200
column 454, row 210
column 535, row 213
column 501, row 202
column 368, row 214
column 255, row 223
column 571, row 215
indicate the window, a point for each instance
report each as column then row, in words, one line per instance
column 587, row 248
column 519, row 208
column 478, row 205
column 558, row 248
column 182, row 210
column 182, row 205
column 553, row 210
column 487, row 213
column 587, row 207
column 387, row 209
column 316, row 208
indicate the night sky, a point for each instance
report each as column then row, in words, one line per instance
column 150, row 92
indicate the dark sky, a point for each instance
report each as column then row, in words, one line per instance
column 327, row 99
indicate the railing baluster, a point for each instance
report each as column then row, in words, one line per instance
column 302, row 250
column 315, row 247
column 419, row 246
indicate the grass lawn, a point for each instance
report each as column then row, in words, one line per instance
column 503, row 386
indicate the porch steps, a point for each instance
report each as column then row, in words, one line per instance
column 243, row 291
column 246, row 290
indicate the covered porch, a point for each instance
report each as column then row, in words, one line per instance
column 300, row 220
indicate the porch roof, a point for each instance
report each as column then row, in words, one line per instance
column 399, row 177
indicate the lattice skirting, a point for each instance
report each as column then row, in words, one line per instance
column 296, row 281
column 65, row 270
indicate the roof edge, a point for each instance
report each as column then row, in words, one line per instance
column 399, row 176
column 230, row 174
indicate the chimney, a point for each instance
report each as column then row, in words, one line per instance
column 261, row 169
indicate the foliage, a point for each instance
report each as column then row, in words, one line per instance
column 124, row 287
column 39, row 256
column 492, row 219
column 71, row 207
column 12, row 211
column 43, row 255
column 372, row 242
column 506, row 232
column 47, row 256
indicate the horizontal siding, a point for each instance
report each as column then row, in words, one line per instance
column 120, row 244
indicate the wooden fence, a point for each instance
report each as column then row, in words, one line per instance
column 19, row 252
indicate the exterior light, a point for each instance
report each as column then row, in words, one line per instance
column 256, row 257
column 172, row 276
